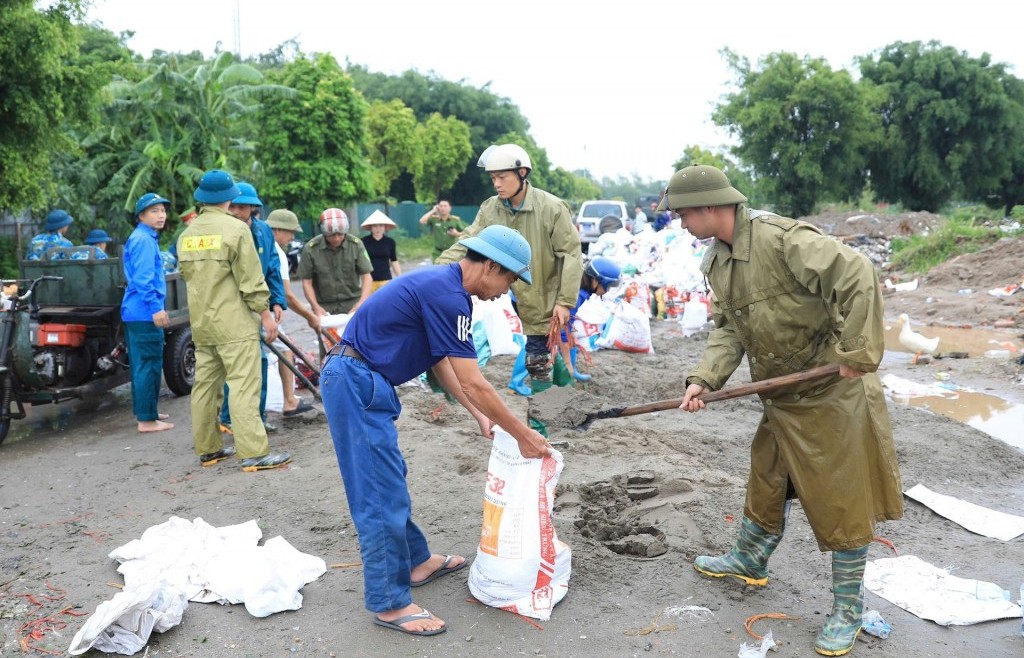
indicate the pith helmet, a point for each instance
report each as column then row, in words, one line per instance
column 505, row 246
column 504, row 157
column 699, row 185
column 216, row 187
column 284, row 219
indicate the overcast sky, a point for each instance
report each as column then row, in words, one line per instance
column 616, row 91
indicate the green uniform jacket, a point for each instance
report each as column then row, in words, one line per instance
column 790, row 299
column 439, row 231
column 336, row 273
column 219, row 263
column 557, row 261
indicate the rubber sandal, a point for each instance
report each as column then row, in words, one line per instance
column 442, row 570
column 396, row 624
column 301, row 409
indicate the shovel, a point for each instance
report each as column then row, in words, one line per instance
column 762, row 386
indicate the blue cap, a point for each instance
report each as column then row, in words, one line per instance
column 96, row 236
column 215, row 187
column 148, row 200
column 247, row 195
column 505, row 246
column 58, row 219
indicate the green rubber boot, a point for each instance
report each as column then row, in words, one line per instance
column 539, row 386
column 748, row 560
column 843, row 624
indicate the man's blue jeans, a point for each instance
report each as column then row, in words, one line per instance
column 361, row 407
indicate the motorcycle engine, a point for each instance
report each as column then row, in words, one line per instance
column 63, row 366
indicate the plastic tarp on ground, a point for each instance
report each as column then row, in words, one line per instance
column 975, row 518
column 180, row 561
column 934, row 594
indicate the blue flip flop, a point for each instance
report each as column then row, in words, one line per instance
column 396, row 624
column 442, row 570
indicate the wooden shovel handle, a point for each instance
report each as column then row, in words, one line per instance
column 763, row 386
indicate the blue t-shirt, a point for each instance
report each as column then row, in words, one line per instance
column 410, row 324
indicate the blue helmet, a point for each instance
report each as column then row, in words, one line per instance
column 604, row 271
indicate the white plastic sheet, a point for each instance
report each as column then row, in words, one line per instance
column 934, row 594
column 194, row 561
column 975, row 518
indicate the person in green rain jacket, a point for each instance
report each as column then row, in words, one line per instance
column 557, row 262
column 228, row 301
column 790, row 298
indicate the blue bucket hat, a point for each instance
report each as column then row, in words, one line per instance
column 96, row 236
column 215, row 187
column 505, row 247
column 148, row 200
column 58, row 219
column 247, row 195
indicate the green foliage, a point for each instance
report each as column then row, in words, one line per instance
column 45, row 91
column 162, row 131
column 445, row 152
column 962, row 233
column 9, row 258
column 951, row 126
column 414, row 249
column 803, row 129
column 313, row 141
column 392, row 142
column 488, row 115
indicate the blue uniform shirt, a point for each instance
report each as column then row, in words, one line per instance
column 410, row 324
column 263, row 236
column 144, row 272
column 44, row 241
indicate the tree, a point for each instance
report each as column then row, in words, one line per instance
column 488, row 115
column 392, row 143
column 950, row 127
column 445, row 151
column 313, row 142
column 44, row 90
column 162, row 132
column 804, row 130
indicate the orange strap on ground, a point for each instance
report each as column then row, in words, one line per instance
column 766, row 615
column 886, row 542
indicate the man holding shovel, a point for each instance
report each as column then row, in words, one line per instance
column 791, row 298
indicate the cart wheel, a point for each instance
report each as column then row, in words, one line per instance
column 5, row 426
column 180, row 361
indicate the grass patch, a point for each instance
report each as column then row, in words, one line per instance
column 413, row 249
column 966, row 230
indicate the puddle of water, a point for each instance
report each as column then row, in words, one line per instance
column 952, row 339
column 995, row 416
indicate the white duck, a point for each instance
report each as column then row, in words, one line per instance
column 914, row 341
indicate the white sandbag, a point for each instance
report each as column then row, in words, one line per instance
column 494, row 318
column 629, row 330
column 335, row 324
column 520, row 565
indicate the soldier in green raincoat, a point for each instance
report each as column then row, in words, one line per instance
column 790, row 298
column 557, row 262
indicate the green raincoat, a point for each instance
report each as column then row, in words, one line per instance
column 225, row 281
column 790, row 298
column 556, row 263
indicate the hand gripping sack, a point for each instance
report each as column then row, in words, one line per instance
column 520, row 565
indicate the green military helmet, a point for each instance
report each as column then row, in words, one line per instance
column 699, row 185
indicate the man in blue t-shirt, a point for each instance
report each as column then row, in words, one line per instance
column 419, row 321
